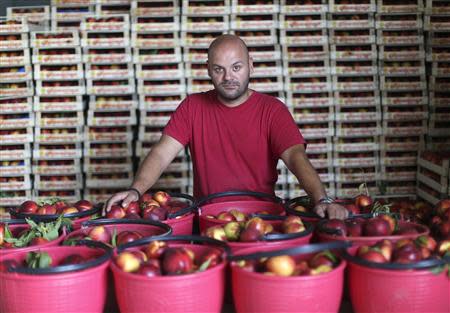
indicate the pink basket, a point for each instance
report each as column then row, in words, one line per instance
column 197, row 292
column 17, row 228
column 77, row 291
column 359, row 241
column 273, row 207
column 380, row 290
column 256, row 292
column 181, row 225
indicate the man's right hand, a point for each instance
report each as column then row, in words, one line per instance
column 126, row 197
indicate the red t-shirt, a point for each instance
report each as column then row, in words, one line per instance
column 234, row 148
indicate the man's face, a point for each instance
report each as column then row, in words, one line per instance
column 229, row 68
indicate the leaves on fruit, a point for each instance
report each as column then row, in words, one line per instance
column 114, row 238
column 330, row 255
column 38, row 260
column 204, row 266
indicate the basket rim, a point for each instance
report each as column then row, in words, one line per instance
column 261, row 276
column 397, row 272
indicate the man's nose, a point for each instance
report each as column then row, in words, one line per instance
column 227, row 75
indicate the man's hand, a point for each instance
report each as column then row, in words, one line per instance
column 126, row 197
column 334, row 210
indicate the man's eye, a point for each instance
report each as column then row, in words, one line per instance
column 218, row 70
column 236, row 67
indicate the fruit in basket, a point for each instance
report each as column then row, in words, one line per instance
column 372, row 256
column 226, row 216
column 212, row 257
column 100, row 233
column 116, row 212
column 292, row 224
column 83, row 205
column 376, row 227
column 336, row 225
column 2, row 233
column 408, row 253
column 127, row 236
column 238, row 215
column 157, row 214
column 283, row 265
column 354, row 227
column 443, row 207
column 363, row 202
column 28, row 207
column 128, row 262
column 257, row 224
column 140, row 255
column 155, row 249
column 324, row 258
column 250, row 235
column 46, row 209
column 177, row 261
column 149, row 269
column 443, row 248
column 216, row 232
column 232, row 231
column 133, row 207
column 162, row 197
column 69, row 210
column 427, row 242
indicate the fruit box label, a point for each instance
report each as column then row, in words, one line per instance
column 13, row 44
column 15, row 76
column 260, row 8
column 15, row 186
column 60, row 169
column 400, row 24
column 60, row 75
column 404, row 161
column 111, row 58
column 14, row 154
column 105, row 26
column 304, row 8
column 260, row 40
column 162, row 43
column 356, row 147
column 15, row 92
column 402, row 39
column 357, row 8
column 64, row 58
column 25, row 138
column 305, row 40
column 352, row 24
column 402, row 146
column 106, row 121
column 60, row 122
column 110, row 137
column 213, row 10
column 20, row 60
column 107, row 42
column 108, row 152
column 15, row 107
column 17, row 123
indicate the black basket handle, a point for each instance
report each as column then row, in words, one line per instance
column 305, row 249
column 52, row 217
column 275, row 237
column 112, row 221
column 190, row 238
column 232, row 193
column 70, row 267
column 14, row 221
column 424, row 264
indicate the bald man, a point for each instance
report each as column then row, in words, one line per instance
column 235, row 136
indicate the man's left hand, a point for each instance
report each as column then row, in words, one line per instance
column 333, row 210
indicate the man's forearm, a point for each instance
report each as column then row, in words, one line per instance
column 298, row 163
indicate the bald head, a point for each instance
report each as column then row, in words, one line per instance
column 227, row 41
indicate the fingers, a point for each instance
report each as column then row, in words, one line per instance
column 337, row 211
column 130, row 197
column 114, row 199
column 320, row 210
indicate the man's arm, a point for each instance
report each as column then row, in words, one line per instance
column 298, row 163
column 149, row 171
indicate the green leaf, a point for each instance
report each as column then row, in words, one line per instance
column 8, row 233
column 204, row 265
column 45, row 260
column 31, row 223
column 114, row 238
column 438, row 269
column 38, row 260
column 330, row 255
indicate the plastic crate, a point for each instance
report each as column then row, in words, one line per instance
column 303, row 21
column 52, row 151
column 110, row 39
column 271, row 6
column 159, row 71
column 46, row 167
column 351, row 21
column 13, row 183
column 166, row 39
column 258, row 37
column 399, row 37
column 110, row 87
column 109, row 71
column 15, row 73
column 198, row 8
column 402, row 143
column 250, row 22
column 58, row 135
column 167, row 87
column 57, row 104
column 416, row 82
column 155, row 23
column 303, row 37
column 157, row 56
column 107, row 149
column 348, row 99
column 199, row 23
column 111, row 118
column 54, row 39
column 399, row 53
column 341, row 6
column 16, row 88
column 354, row 83
column 348, row 53
column 56, row 56
column 60, row 88
column 299, row 7
column 107, row 55
column 110, row 22
column 162, row 8
column 70, row 195
column 58, row 72
column 160, row 103
column 108, row 134
column 403, row 21
column 354, row 68
column 13, row 25
column 72, row 13
column 16, row 105
column 15, row 57
column 415, row 6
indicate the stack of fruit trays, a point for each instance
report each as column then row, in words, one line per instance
column 403, row 85
column 17, row 119
column 433, row 175
column 437, row 23
column 305, row 60
column 59, row 114
column 68, row 14
column 37, row 17
column 354, row 84
column 112, row 103
column 199, row 25
column 107, row 7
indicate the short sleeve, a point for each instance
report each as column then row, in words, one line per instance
column 284, row 132
column 179, row 126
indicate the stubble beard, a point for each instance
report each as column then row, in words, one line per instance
column 232, row 95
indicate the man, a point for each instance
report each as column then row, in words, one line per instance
column 235, row 135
